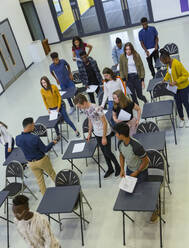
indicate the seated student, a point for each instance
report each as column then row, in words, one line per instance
column 33, row 227
column 52, row 100
column 111, row 84
column 89, row 73
column 117, row 50
column 6, row 139
column 102, row 131
column 122, row 102
column 61, row 71
column 79, row 46
column 177, row 75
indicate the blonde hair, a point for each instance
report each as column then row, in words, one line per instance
column 124, row 101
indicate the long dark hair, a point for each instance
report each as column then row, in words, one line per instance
column 3, row 124
column 110, row 72
column 81, row 43
column 49, row 87
column 133, row 51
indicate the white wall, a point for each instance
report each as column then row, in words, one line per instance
column 165, row 9
column 11, row 9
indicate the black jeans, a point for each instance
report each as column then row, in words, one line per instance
column 108, row 155
column 182, row 98
column 155, row 56
column 135, row 86
column 91, row 95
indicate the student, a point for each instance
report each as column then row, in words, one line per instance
column 122, row 102
column 148, row 37
column 61, row 71
column 102, row 131
column 111, row 84
column 132, row 72
column 52, row 100
column 34, row 151
column 6, row 139
column 33, row 227
column 117, row 50
column 79, row 46
column 177, row 75
column 89, row 73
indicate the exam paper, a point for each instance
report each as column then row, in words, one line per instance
column 172, row 88
column 62, row 93
column 78, row 147
column 128, row 184
column 53, row 115
column 128, row 91
column 91, row 88
column 124, row 116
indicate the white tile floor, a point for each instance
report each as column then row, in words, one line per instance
column 23, row 99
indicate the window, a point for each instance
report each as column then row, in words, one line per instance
column 58, row 7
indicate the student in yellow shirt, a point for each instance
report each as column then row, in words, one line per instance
column 177, row 75
column 52, row 100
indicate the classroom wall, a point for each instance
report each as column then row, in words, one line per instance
column 165, row 9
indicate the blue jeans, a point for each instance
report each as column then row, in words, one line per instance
column 143, row 176
column 110, row 105
column 181, row 98
column 6, row 149
column 65, row 87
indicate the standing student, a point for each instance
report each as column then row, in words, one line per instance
column 177, row 75
column 33, row 227
column 89, row 73
column 52, row 100
column 132, row 72
column 102, row 131
column 79, row 46
column 34, row 151
column 122, row 102
column 111, row 84
column 61, row 71
column 148, row 37
column 117, row 50
column 6, row 139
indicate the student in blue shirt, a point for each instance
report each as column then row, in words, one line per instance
column 117, row 50
column 148, row 37
column 61, row 71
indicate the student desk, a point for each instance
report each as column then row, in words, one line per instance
column 18, row 155
column 88, row 152
column 62, row 199
column 143, row 199
column 152, row 83
column 157, row 109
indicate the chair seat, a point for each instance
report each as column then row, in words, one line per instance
column 13, row 188
column 155, row 178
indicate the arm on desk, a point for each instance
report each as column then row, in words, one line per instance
column 143, row 165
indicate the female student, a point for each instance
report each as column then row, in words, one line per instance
column 122, row 102
column 111, row 84
column 177, row 75
column 132, row 72
column 6, row 139
column 79, row 46
column 52, row 101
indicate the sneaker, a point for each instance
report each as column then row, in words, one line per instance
column 77, row 134
column 181, row 124
column 117, row 172
column 108, row 173
column 187, row 123
column 72, row 109
column 155, row 216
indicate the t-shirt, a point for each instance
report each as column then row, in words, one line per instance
column 77, row 50
column 94, row 113
column 92, row 79
column 128, row 108
column 131, row 64
column 148, row 36
column 133, row 153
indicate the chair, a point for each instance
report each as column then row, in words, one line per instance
column 147, row 127
column 157, row 171
column 100, row 98
column 161, row 90
column 173, row 50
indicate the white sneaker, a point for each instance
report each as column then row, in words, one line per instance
column 187, row 123
column 72, row 109
column 181, row 124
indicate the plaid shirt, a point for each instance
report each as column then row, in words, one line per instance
column 83, row 73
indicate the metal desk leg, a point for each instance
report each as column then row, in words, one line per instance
column 166, row 158
column 99, row 176
column 61, row 142
column 8, row 223
column 174, row 129
column 123, row 228
column 160, row 222
column 77, row 114
column 81, row 221
column 73, row 165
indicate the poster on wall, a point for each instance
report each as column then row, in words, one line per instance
column 184, row 4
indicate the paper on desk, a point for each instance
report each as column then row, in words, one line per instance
column 78, row 147
column 53, row 115
column 118, row 67
column 151, row 51
column 128, row 184
column 124, row 116
column 91, row 88
column 128, row 91
column 62, row 93
column 172, row 88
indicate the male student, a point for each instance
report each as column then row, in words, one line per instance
column 101, row 128
column 34, row 151
column 61, row 71
column 148, row 37
column 33, row 227
column 117, row 50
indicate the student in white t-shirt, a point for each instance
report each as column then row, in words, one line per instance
column 111, row 84
column 6, row 139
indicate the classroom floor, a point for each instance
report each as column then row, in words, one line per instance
column 23, row 99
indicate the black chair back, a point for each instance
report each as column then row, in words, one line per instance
column 85, row 126
column 172, row 48
column 161, row 90
column 40, row 130
column 14, row 169
column 67, row 178
column 147, row 127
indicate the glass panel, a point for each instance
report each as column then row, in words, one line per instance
column 114, row 13
column 137, row 10
column 88, row 16
column 58, row 6
column 8, row 49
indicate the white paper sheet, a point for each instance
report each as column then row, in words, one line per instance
column 62, row 92
column 91, row 88
column 118, row 67
column 172, row 88
column 128, row 184
column 78, row 147
column 151, row 50
column 124, row 116
column 77, row 59
column 105, row 111
column 53, row 115
column 128, row 91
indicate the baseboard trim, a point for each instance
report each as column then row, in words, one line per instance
column 29, row 66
